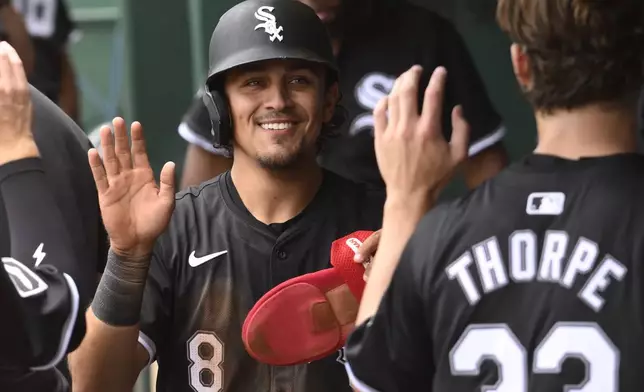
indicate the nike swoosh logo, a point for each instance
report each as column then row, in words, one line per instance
column 195, row 261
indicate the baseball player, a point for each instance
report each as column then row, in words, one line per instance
column 374, row 41
column 533, row 281
column 41, row 295
column 184, row 271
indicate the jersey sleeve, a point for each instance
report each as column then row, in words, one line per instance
column 392, row 350
column 465, row 87
column 38, row 278
column 195, row 127
column 157, row 305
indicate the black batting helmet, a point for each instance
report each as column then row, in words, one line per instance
column 258, row 30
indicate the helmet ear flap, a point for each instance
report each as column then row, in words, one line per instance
column 222, row 127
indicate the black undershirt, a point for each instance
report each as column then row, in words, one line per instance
column 277, row 228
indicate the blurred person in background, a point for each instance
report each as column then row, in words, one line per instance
column 13, row 30
column 49, row 25
column 374, row 42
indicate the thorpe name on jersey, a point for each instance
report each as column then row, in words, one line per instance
column 553, row 264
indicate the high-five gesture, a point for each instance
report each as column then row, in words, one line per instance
column 135, row 210
column 413, row 156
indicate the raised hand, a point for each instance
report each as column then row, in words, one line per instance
column 16, row 139
column 135, row 210
column 413, row 156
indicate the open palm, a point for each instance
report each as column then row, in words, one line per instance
column 135, row 210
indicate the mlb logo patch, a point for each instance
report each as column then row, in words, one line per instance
column 545, row 203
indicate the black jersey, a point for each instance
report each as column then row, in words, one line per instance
column 68, row 179
column 532, row 282
column 640, row 123
column 215, row 261
column 63, row 148
column 369, row 63
column 38, row 296
column 49, row 25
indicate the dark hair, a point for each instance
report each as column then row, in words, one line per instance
column 580, row 51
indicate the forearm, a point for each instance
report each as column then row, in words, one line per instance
column 51, row 303
column 106, row 360
column 401, row 215
column 109, row 358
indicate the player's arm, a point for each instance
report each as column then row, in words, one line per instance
column 41, row 300
column 15, row 32
column 115, row 350
column 135, row 210
column 48, row 301
column 487, row 155
column 203, row 161
column 390, row 350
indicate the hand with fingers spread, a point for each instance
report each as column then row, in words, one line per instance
column 135, row 210
column 413, row 156
column 16, row 139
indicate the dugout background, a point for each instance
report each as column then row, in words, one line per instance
column 144, row 59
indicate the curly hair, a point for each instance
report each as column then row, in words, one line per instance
column 580, row 51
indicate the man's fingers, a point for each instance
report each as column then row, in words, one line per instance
column 166, row 185
column 17, row 69
column 139, row 152
column 368, row 248
column 98, row 171
column 409, row 93
column 380, row 116
column 431, row 116
column 110, row 162
column 6, row 74
column 459, row 142
column 367, row 271
column 393, row 104
column 121, row 144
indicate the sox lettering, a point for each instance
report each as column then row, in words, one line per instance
column 369, row 90
column 270, row 24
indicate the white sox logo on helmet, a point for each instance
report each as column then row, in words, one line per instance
column 269, row 24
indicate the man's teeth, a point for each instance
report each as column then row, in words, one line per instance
column 276, row 126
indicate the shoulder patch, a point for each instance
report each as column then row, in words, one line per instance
column 26, row 282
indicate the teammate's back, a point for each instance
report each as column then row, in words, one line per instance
column 533, row 281
column 543, row 275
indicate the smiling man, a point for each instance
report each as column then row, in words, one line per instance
column 374, row 42
column 274, row 216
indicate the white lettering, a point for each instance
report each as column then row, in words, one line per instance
column 600, row 280
column 459, row 270
column 490, row 264
column 523, row 255
column 581, row 262
column 523, row 266
column 554, row 249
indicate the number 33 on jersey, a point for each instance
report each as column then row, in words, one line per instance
column 585, row 341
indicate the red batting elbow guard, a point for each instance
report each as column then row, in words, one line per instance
column 308, row 317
